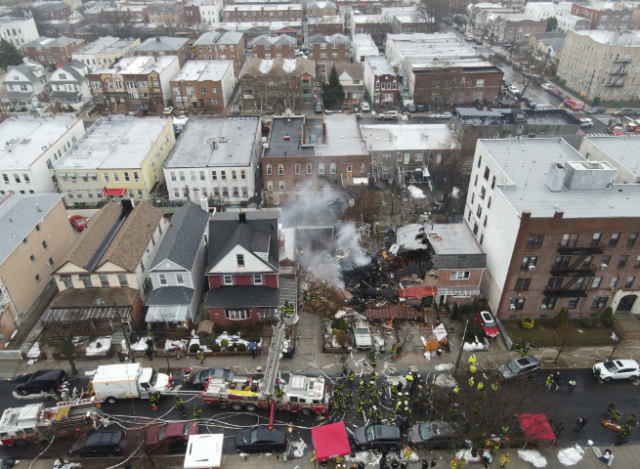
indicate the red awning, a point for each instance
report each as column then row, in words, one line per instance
column 418, row 292
column 536, row 427
column 330, row 441
column 113, row 192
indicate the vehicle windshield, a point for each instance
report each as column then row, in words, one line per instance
column 204, row 374
column 154, row 378
column 425, row 431
column 362, row 330
column 254, row 436
column 488, row 321
column 610, row 366
column 369, row 433
column 162, row 433
column 513, row 366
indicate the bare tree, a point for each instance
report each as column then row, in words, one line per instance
column 378, row 30
column 198, row 29
column 524, row 67
column 565, row 339
column 67, row 338
column 432, row 13
column 621, row 340
column 170, row 27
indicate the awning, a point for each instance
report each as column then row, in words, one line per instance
column 82, row 175
column 204, row 451
column 93, row 175
column 536, row 427
column 71, row 175
column 418, row 292
column 113, row 192
column 62, row 175
column 330, row 441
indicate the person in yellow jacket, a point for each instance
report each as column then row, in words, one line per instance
column 461, row 463
column 454, row 463
column 472, row 369
column 472, row 360
column 504, row 460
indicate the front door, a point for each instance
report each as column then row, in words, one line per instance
column 349, row 170
column 626, row 303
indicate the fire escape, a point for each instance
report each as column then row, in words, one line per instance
column 575, row 272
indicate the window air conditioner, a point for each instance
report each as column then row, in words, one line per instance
column 603, row 266
column 543, row 307
column 512, row 307
column 532, row 267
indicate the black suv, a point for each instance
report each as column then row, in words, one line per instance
column 43, row 380
column 436, row 435
column 103, row 443
column 377, row 436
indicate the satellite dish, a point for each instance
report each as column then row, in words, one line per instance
column 98, row 301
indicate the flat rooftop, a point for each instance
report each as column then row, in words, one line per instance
column 380, row 65
column 104, row 45
column 139, row 65
column 469, row 116
column 114, row 142
column 210, row 141
column 452, row 238
column 524, row 169
column 26, row 139
column 414, row 137
column 200, row 70
column 285, row 138
column 623, row 150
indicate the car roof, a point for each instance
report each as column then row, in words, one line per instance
column 626, row 363
column 48, row 374
column 103, row 438
column 525, row 361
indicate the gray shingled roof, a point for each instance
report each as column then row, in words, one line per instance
column 44, row 41
column 355, row 70
column 214, row 37
column 79, row 77
column 269, row 40
column 170, row 296
column 249, row 296
column 162, row 44
column 26, row 70
column 254, row 67
column 334, row 39
column 182, row 239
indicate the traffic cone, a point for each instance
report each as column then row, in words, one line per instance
column 154, row 407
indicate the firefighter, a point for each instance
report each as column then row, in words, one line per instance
column 494, row 386
column 362, row 387
column 373, row 376
column 407, row 412
column 349, row 397
column 413, row 218
column 572, row 384
column 394, row 391
column 504, row 460
column 461, row 463
column 359, row 410
column 391, row 415
column 454, row 463
column 549, row 381
column 154, row 399
column 394, row 349
column 379, row 416
column 472, row 360
column 398, row 407
column 352, row 376
column 472, row 369
column 372, row 412
column 471, row 382
column 196, row 412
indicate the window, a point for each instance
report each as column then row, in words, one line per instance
column 126, row 177
column 613, row 282
column 522, row 284
column 122, row 278
column 554, row 283
column 104, row 280
column 240, row 260
column 320, row 168
column 599, row 302
column 223, row 175
column 237, row 314
column 535, row 241
column 180, row 279
column 297, row 169
column 614, row 239
column 528, row 262
column 32, row 258
column 44, row 244
column 37, row 278
column 257, row 279
column 596, row 239
column 573, row 303
column 548, row 303
column 228, row 280
column 281, row 185
column 270, row 186
column 333, row 168
column 462, row 275
column 517, row 303
column 116, row 177
column 622, row 261
column 569, row 239
column 309, row 169
column 163, row 279
column 280, row 170
column 632, row 239
column 243, row 175
column 561, row 262
column 629, row 282
column 86, row 280
column 268, row 170
column 51, row 263
column 489, row 203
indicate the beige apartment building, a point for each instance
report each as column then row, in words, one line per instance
column 603, row 64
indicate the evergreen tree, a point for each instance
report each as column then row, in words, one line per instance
column 552, row 24
column 332, row 91
column 9, row 54
column 561, row 319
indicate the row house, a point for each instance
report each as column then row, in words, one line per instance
column 375, row 26
column 70, row 85
column 281, row 83
column 252, row 30
column 161, row 46
column 381, row 82
column 209, row 11
column 269, row 47
column 24, row 85
column 51, row 52
column 608, row 16
column 226, row 45
column 516, row 28
column 251, row 13
column 139, row 82
column 204, row 85
column 351, row 78
column 104, row 12
column 295, row 164
column 363, row 47
column 166, row 13
column 52, row 11
column 409, row 23
column 329, row 49
column 216, row 158
column 321, row 8
column 326, row 25
column 105, row 51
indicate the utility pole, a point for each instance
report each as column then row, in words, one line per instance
column 126, row 336
column 589, row 87
column 462, row 344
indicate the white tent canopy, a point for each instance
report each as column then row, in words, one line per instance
column 204, row 451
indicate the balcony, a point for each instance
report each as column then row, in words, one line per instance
column 565, row 294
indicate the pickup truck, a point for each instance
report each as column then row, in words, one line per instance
column 388, row 115
column 361, row 335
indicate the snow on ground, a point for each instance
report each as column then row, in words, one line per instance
column 34, row 351
column 532, row 456
column 474, row 346
column 176, row 344
column 203, row 348
column 98, row 346
column 445, row 380
column 416, row 193
column 139, row 346
column 466, row 453
column 444, row 367
column 570, row 456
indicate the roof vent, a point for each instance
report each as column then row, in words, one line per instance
column 287, row 137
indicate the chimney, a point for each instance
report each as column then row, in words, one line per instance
column 242, row 217
column 158, row 39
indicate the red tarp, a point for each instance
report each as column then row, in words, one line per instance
column 418, row 292
column 536, row 427
column 330, row 441
column 113, row 192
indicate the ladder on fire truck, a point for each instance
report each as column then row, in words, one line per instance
column 273, row 360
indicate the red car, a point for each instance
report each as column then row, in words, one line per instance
column 555, row 92
column 488, row 324
column 78, row 222
column 170, row 434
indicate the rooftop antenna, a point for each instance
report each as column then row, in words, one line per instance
column 508, row 155
column 526, row 183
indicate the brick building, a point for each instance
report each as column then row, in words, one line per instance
column 326, row 25
column 51, row 52
column 374, row 25
column 112, row 12
column 52, row 11
column 160, row 46
column 228, row 45
column 608, row 16
column 269, row 47
column 251, row 13
column 321, row 8
column 292, row 165
column 381, row 82
column 559, row 229
column 204, row 85
column 166, row 13
column 516, row 28
column 251, row 31
column 325, row 49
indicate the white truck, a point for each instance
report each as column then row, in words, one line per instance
column 112, row 382
column 361, row 335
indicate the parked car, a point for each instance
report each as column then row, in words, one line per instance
column 600, row 110
column 617, row 369
column 168, row 111
column 437, row 435
column 377, row 436
column 622, row 111
column 637, row 113
column 555, row 92
column 171, row 434
column 200, row 378
column 318, row 108
column 421, row 107
column 507, row 46
column 514, row 90
column 78, row 222
column 485, row 319
column 236, row 109
column 39, row 381
column 477, row 41
column 260, row 440
column 586, row 122
column 270, row 110
column 410, row 107
column 364, row 107
column 546, row 86
column 105, row 443
column 532, row 103
column 443, row 115
column 519, row 367
column 361, row 335
column 538, row 79
column 388, row 115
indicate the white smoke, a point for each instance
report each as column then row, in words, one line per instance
column 348, row 241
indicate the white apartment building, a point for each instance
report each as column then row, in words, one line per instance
column 539, row 11
column 104, row 51
column 217, row 158
column 30, row 147
column 604, row 64
column 363, row 47
column 18, row 31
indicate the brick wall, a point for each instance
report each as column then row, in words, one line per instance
column 327, row 29
column 217, row 315
column 208, row 100
column 54, row 56
column 233, row 52
column 260, row 51
column 606, row 19
column 183, row 54
column 426, row 93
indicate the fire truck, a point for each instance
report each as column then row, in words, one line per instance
column 305, row 394
column 35, row 423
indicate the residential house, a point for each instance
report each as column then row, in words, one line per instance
column 375, row 26
column 221, row 46
column 515, row 28
column 325, row 25
column 115, row 250
column 325, row 49
column 363, row 47
column 294, row 165
column 18, row 31
column 36, row 236
column 281, row 83
column 31, row 147
column 204, row 85
column 480, row 16
column 112, row 161
column 270, row 47
column 52, row 11
column 608, row 16
column 140, row 83
column 177, row 270
column 321, row 8
column 70, row 85
column 166, row 13
column 407, row 153
column 105, row 51
column 549, row 46
column 24, row 85
column 114, row 13
column 217, row 158
column 161, row 45
column 242, row 268
column 52, row 52
column 381, row 82
column 407, row 20
column 352, row 80
column 251, row 13
column 209, row 10
column 252, row 30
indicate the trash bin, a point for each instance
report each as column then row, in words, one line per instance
column 606, row 456
column 287, row 353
